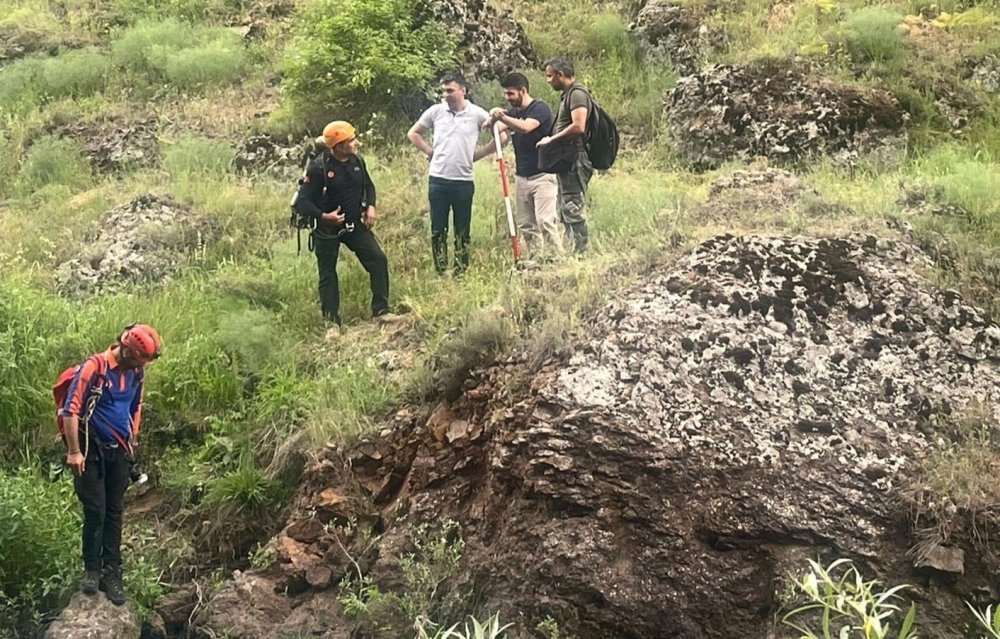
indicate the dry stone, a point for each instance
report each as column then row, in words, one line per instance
column 493, row 41
column 671, row 32
column 114, row 144
column 139, row 242
column 95, row 617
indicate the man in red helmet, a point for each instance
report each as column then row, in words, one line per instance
column 107, row 390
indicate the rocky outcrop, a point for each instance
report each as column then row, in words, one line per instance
column 760, row 402
column 94, row 617
column 114, row 144
column 671, row 32
column 139, row 242
column 492, row 40
column 271, row 154
column 730, row 112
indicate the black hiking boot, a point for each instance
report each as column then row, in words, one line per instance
column 89, row 581
column 111, row 584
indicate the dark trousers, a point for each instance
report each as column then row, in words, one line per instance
column 454, row 195
column 364, row 244
column 101, row 490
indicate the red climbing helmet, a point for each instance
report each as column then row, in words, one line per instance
column 142, row 340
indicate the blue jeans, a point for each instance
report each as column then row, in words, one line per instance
column 456, row 196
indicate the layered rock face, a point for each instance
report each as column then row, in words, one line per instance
column 758, row 403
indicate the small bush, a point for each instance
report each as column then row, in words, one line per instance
column 606, row 34
column 53, row 160
column 354, row 54
column 197, row 156
column 215, row 63
column 873, row 34
column 20, row 85
column 75, row 73
column 181, row 55
column 40, row 540
column 484, row 336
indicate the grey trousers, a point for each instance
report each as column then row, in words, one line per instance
column 573, row 201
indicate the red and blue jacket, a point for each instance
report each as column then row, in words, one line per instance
column 118, row 412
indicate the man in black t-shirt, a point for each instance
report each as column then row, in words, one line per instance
column 537, row 193
column 339, row 194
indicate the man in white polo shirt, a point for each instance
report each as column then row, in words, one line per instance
column 457, row 124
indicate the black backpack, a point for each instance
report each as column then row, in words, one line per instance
column 602, row 136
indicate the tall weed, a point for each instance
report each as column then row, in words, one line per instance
column 873, row 35
column 39, row 543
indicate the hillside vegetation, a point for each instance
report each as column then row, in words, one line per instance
column 247, row 386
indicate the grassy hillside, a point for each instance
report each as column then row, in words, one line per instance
column 247, row 384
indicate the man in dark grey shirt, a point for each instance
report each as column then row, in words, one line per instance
column 571, row 125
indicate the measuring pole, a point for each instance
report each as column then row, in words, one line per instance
column 511, row 229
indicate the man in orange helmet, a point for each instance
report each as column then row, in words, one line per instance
column 106, row 392
column 338, row 193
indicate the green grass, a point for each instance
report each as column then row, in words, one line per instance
column 247, row 382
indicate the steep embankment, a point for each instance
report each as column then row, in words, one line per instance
column 763, row 401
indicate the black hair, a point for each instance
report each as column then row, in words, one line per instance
column 515, row 81
column 457, row 78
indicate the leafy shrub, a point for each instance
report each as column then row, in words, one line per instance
column 354, row 54
column 53, row 160
column 197, row 156
column 424, row 595
column 75, row 73
column 40, row 558
column 19, row 84
column 873, row 34
column 214, row 63
column 33, row 80
column 184, row 56
column 606, row 34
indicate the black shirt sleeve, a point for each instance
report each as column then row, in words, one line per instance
column 310, row 199
column 369, row 184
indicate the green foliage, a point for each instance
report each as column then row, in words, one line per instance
column 479, row 341
column 54, row 161
column 873, row 34
column 353, row 55
column 489, row 629
column 988, row 619
column 838, row 600
column 244, row 491
column 193, row 156
column 961, row 469
column 31, row 339
column 144, row 556
column 39, row 548
column 187, row 57
column 75, row 73
column 549, row 628
column 424, row 596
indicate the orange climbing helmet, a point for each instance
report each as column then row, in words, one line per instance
column 142, row 340
column 337, row 132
